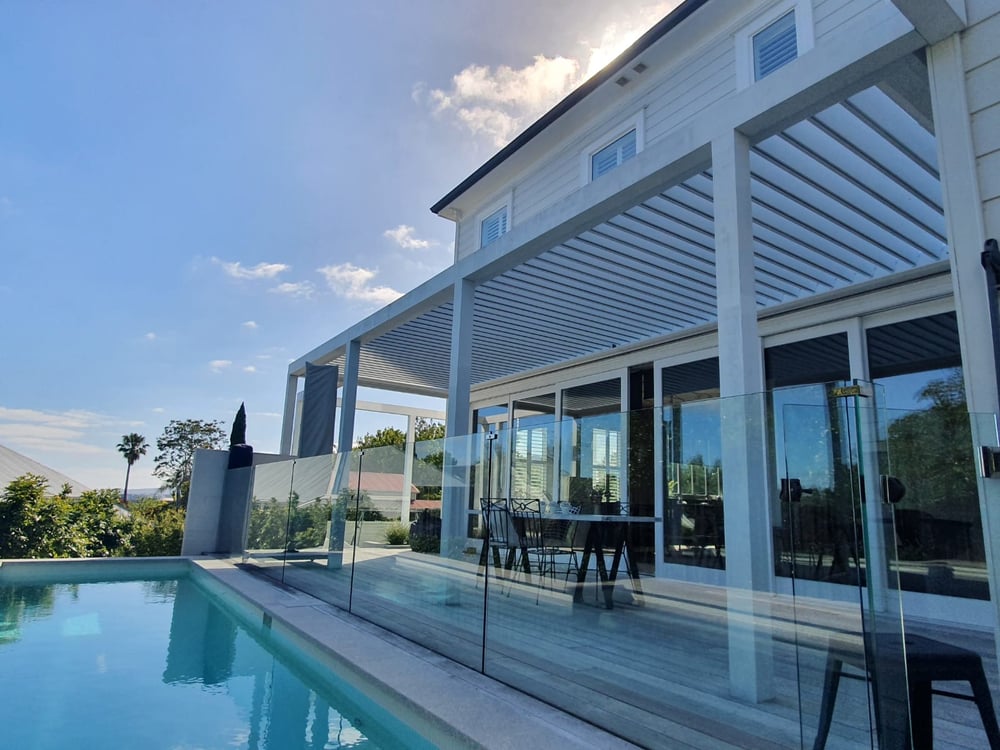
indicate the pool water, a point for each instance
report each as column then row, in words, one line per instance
column 161, row 664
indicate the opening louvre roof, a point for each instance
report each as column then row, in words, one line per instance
column 846, row 196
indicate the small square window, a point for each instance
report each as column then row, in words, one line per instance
column 774, row 46
column 493, row 227
column 613, row 155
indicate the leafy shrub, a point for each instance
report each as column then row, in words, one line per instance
column 425, row 543
column 397, row 533
column 157, row 529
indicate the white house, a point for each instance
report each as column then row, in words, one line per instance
column 742, row 261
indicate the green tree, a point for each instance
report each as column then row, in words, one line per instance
column 176, row 446
column 133, row 446
column 29, row 521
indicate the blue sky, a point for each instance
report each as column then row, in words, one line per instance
column 192, row 194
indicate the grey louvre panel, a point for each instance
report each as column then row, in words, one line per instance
column 613, row 155
column 691, row 378
column 914, row 346
column 319, row 410
column 819, row 360
column 774, row 46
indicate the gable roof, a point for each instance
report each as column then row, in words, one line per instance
column 578, row 94
column 14, row 465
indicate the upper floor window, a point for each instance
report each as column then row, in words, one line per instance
column 494, row 226
column 614, row 147
column 772, row 39
column 774, row 46
column 613, row 155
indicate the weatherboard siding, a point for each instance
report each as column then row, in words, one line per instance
column 701, row 75
column 981, row 58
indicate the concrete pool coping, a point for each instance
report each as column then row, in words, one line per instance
column 453, row 706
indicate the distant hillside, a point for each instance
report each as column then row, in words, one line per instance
column 148, row 492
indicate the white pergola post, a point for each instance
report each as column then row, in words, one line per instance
column 288, row 414
column 749, row 576
column 454, row 516
column 966, row 228
column 408, row 448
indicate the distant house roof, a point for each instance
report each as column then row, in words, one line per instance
column 14, row 465
column 425, row 505
column 372, row 481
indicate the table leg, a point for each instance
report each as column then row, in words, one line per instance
column 921, row 716
column 984, row 700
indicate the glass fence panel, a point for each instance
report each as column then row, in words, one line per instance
column 658, row 660
column 419, row 577
column 819, row 546
column 555, row 593
column 267, row 522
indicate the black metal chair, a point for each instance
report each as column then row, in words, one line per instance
column 502, row 538
column 537, row 547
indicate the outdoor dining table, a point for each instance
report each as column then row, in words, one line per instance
column 607, row 533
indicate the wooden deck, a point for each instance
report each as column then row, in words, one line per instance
column 654, row 670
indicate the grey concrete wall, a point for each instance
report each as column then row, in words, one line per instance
column 201, row 526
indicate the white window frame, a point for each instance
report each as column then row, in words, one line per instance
column 636, row 122
column 804, row 36
column 507, row 201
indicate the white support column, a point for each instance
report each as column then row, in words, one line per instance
column 349, row 397
column 404, row 508
column 288, row 415
column 749, row 576
column 454, row 516
column 963, row 210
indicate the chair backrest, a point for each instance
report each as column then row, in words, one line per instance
column 528, row 521
column 499, row 524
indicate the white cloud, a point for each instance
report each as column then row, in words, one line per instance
column 236, row 270
column 158, row 410
column 249, row 368
column 352, row 282
column 263, row 356
column 250, row 325
column 37, row 433
column 403, row 236
column 497, row 103
column 218, row 365
column 296, row 289
column 150, row 336
column 270, row 414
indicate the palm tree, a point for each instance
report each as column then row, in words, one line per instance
column 132, row 446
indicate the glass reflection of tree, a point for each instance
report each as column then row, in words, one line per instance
column 21, row 603
column 931, row 452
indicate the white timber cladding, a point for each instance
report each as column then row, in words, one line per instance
column 699, row 72
column 981, row 59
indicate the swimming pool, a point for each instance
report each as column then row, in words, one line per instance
column 167, row 662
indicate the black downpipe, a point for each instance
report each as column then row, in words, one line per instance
column 991, row 264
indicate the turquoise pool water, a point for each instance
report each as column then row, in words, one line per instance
column 162, row 664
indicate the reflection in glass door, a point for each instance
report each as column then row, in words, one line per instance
column 533, row 451
column 592, row 446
